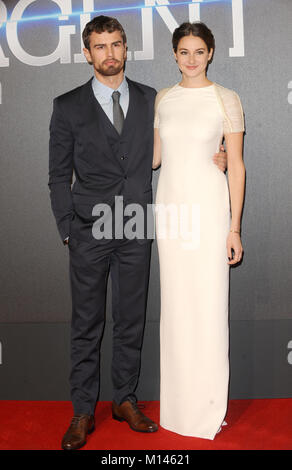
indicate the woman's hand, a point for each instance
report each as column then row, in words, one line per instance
column 220, row 159
column 234, row 243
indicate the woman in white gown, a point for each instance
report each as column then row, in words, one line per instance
column 198, row 217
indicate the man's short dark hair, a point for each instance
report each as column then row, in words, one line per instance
column 100, row 24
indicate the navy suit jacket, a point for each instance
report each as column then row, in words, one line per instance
column 84, row 143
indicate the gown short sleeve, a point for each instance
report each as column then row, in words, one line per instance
column 232, row 110
column 158, row 99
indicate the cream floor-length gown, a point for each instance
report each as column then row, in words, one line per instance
column 192, row 225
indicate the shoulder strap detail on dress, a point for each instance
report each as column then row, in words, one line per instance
column 231, row 108
column 160, row 95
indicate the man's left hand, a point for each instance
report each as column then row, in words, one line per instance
column 220, row 159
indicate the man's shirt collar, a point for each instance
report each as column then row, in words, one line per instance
column 104, row 92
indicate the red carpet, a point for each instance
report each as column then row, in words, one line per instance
column 40, row 425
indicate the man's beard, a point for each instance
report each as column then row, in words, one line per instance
column 109, row 71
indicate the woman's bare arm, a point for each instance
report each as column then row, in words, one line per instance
column 156, row 150
column 236, row 181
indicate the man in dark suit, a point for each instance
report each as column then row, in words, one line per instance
column 103, row 133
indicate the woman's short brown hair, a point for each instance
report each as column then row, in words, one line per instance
column 100, row 24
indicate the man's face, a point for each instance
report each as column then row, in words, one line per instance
column 107, row 53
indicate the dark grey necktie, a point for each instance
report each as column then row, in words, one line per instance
column 118, row 114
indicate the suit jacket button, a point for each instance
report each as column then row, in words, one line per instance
column 125, row 177
column 123, row 158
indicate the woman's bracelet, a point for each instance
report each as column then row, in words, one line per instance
column 235, row 231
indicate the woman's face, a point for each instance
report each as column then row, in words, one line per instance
column 192, row 56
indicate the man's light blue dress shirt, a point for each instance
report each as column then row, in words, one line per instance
column 103, row 94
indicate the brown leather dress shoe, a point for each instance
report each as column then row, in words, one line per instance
column 75, row 437
column 129, row 412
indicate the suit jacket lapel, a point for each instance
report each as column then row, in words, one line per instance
column 137, row 112
column 136, row 119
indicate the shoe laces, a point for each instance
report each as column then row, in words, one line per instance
column 76, row 419
column 138, row 406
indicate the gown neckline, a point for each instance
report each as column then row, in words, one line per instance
column 195, row 88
